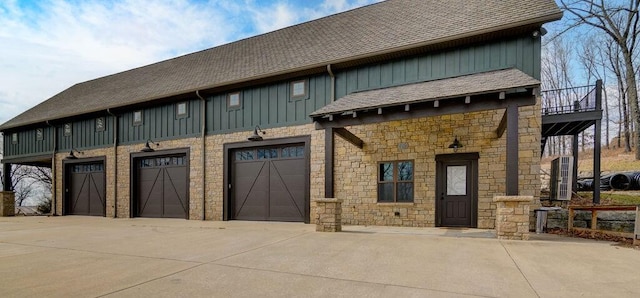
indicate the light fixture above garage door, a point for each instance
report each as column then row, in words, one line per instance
column 256, row 136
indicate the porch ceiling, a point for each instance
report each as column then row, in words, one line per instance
column 505, row 80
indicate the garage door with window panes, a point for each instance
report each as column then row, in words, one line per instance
column 269, row 183
column 85, row 193
column 162, row 187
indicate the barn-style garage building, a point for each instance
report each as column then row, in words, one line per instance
column 412, row 112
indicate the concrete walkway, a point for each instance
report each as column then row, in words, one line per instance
column 100, row 257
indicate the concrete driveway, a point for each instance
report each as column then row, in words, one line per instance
column 101, row 257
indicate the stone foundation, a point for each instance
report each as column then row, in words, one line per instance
column 7, row 203
column 328, row 215
column 512, row 217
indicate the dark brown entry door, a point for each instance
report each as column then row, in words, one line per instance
column 86, row 190
column 162, row 187
column 269, row 183
column 456, row 191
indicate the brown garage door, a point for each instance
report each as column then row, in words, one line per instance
column 269, row 183
column 86, row 189
column 162, row 187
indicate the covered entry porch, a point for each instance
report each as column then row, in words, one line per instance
column 465, row 140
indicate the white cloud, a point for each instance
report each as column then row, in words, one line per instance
column 49, row 45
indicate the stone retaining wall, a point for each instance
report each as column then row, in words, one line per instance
column 617, row 221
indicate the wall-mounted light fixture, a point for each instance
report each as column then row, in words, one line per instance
column 73, row 156
column 455, row 145
column 256, row 136
column 147, row 146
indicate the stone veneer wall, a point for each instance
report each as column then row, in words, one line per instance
column 215, row 163
column 356, row 169
column 109, row 167
column 421, row 140
column 124, row 174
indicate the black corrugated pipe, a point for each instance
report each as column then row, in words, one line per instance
column 620, row 181
column 604, row 182
column 585, row 185
column 635, row 180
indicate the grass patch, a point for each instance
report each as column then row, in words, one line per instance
column 614, row 198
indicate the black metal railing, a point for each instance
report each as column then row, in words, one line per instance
column 569, row 100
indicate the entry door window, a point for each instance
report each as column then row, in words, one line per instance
column 457, row 180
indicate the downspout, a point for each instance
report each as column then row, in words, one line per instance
column 53, row 169
column 115, row 163
column 333, row 83
column 203, row 119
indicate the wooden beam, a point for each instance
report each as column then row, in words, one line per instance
column 349, row 137
column 502, row 126
column 511, row 182
column 329, row 149
column 6, row 171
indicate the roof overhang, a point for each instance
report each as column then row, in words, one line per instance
column 34, row 160
column 462, row 94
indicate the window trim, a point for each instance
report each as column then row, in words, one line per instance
column 305, row 95
column 395, row 181
column 186, row 110
column 234, row 107
column 104, row 125
column 39, row 134
column 67, row 129
column 133, row 119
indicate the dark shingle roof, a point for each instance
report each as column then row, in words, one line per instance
column 367, row 31
column 480, row 83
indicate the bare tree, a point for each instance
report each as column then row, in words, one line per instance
column 596, row 63
column 615, row 64
column 30, row 182
column 618, row 19
column 556, row 73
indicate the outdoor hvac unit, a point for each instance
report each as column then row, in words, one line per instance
column 561, row 178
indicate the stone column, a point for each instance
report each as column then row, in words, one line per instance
column 512, row 217
column 7, row 203
column 328, row 215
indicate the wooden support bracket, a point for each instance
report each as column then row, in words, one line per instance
column 349, row 137
column 502, row 126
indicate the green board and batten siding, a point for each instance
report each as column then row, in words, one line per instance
column 28, row 143
column 84, row 135
column 271, row 105
column 522, row 53
column 161, row 123
column 267, row 106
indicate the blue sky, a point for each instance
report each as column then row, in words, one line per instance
column 50, row 45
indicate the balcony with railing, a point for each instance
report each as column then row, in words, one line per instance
column 570, row 111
